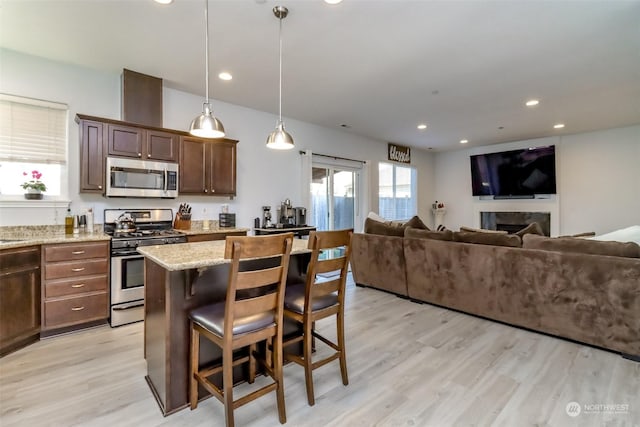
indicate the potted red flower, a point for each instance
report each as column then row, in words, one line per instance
column 34, row 187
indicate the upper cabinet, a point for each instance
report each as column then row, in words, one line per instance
column 92, row 155
column 141, row 143
column 207, row 166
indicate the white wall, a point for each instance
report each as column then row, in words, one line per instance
column 265, row 177
column 598, row 183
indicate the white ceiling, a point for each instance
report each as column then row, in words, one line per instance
column 465, row 68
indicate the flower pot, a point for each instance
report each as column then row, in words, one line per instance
column 33, row 194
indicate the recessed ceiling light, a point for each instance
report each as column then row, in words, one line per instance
column 532, row 103
column 463, row 141
column 225, row 76
column 558, row 126
column 422, row 126
column 333, row 1
column 164, row 1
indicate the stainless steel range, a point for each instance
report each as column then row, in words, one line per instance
column 130, row 228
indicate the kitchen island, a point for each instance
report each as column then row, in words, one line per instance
column 179, row 278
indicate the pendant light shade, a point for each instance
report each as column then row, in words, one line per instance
column 280, row 139
column 206, row 125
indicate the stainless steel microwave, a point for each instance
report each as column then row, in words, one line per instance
column 141, row 178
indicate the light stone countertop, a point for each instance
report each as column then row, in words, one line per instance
column 184, row 256
column 17, row 237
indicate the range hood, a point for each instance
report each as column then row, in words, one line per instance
column 141, row 98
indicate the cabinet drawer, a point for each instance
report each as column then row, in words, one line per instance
column 69, row 252
column 70, row 269
column 20, row 258
column 72, row 311
column 61, row 288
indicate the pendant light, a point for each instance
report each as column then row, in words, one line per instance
column 279, row 139
column 206, row 125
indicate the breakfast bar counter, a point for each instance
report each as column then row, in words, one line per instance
column 177, row 279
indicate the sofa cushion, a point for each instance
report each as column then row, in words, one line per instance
column 376, row 227
column 584, row 246
column 416, row 222
column 481, row 230
column 428, row 234
column 494, row 239
column 533, row 228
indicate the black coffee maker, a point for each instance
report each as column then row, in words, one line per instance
column 300, row 215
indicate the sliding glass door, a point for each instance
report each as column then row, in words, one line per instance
column 334, row 197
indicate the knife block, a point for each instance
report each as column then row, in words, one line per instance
column 181, row 224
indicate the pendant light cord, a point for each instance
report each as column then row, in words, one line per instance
column 280, row 55
column 206, row 49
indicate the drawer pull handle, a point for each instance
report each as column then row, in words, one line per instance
column 77, row 252
column 77, row 308
column 80, row 285
column 77, row 269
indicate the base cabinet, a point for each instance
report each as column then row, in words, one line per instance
column 76, row 285
column 19, row 298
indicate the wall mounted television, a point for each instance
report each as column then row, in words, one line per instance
column 517, row 173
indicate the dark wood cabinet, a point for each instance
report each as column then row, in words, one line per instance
column 76, row 285
column 92, row 156
column 20, row 291
column 207, row 166
column 141, row 143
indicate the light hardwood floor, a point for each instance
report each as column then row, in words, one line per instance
column 409, row 365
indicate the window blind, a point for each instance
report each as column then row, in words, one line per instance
column 32, row 130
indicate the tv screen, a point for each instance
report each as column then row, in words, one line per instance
column 525, row 172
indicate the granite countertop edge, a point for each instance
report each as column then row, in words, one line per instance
column 217, row 230
column 19, row 241
column 185, row 256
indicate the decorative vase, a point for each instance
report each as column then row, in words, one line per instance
column 33, row 194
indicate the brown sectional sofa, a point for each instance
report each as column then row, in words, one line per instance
column 559, row 286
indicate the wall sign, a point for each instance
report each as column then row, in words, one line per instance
column 399, row 153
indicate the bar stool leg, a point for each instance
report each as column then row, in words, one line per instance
column 278, row 373
column 227, row 384
column 343, row 352
column 308, row 369
column 193, row 383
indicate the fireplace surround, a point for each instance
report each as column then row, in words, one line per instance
column 515, row 221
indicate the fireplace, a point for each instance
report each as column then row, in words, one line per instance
column 512, row 222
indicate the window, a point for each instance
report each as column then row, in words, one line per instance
column 397, row 198
column 33, row 137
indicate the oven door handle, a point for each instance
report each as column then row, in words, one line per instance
column 128, row 306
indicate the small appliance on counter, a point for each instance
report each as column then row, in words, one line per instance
column 266, row 217
column 287, row 217
column 300, row 215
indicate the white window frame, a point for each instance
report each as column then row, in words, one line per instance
column 414, row 188
column 48, row 200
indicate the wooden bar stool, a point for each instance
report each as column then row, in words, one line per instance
column 319, row 298
column 252, row 312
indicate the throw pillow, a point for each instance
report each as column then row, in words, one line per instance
column 376, row 227
column 533, row 228
column 446, row 235
column 374, row 216
column 583, row 246
column 416, row 222
column 494, row 239
column 629, row 234
column 482, row 230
